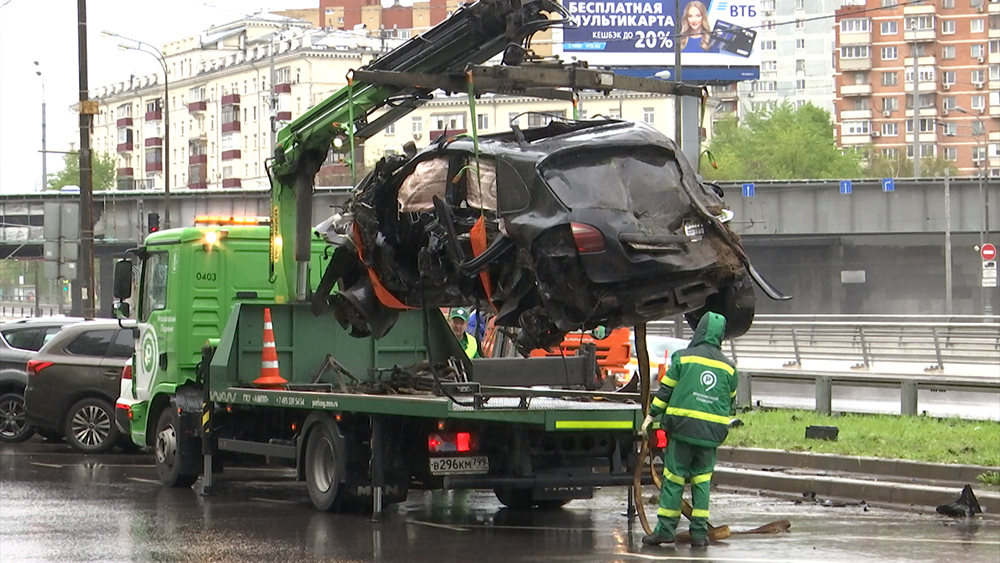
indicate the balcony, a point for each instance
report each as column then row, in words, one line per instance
column 198, row 159
column 197, row 184
column 856, row 64
column 155, row 115
column 283, row 116
column 231, row 126
column 231, row 154
column 153, row 142
column 921, row 61
column 126, row 172
column 195, row 107
column 863, row 38
column 124, row 122
column 231, row 183
column 856, row 90
column 920, row 36
column 230, row 99
column 156, row 166
column 929, row 138
column 929, row 111
column 928, row 86
column 125, row 147
column 450, row 132
column 284, row 88
column 126, row 184
column 856, row 139
column 855, row 115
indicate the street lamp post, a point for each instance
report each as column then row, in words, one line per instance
column 984, row 223
column 45, row 175
column 154, row 52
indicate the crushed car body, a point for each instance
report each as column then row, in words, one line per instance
column 569, row 226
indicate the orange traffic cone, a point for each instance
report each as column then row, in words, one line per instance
column 270, row 376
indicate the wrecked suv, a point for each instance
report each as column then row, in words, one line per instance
column 564, row 227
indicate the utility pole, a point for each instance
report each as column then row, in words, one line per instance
column 85, row 283
column 45, row 175
column 947, row 243
column 916, row 101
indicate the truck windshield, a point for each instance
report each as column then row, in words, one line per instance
column 154, row 284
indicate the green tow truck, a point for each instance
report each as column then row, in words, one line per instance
column 362, row 420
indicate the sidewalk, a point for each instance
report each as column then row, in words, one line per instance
column 853, row 479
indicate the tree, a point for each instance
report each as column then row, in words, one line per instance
column 899, row 166
column 104, row 168
column 780, row 143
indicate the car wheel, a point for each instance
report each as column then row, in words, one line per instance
column 14, row 426
column 166, row 449
column 322, row 465
column 90, row 426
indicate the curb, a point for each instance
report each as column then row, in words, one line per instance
column 861, row 478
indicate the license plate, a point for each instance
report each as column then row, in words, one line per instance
column 459, row 465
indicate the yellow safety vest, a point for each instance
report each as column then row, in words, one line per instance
column 471, row 346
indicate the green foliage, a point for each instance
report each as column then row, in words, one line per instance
column 989, row 478
column 104, row 169
column 885, row 436
column 881, row 166
column 783, row 143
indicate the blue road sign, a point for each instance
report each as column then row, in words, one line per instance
column 888, row 185
column 748, row 190
column 845, row 186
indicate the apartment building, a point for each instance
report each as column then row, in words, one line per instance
column 921, row 78
column 795, row 39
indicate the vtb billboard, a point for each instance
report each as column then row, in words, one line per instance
column 717, row 38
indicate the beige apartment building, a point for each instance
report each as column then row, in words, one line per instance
column 921, row 77
column 222, row 104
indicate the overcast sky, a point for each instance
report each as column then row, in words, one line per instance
column 47, row 32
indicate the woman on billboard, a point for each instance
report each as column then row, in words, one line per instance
column 696, row 34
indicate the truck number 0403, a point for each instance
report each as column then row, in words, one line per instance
column 205, row 276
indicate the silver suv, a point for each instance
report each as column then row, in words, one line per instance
column 19, row 341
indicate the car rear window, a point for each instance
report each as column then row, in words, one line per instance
column 645, row 180
column 24, row 338
column 91, row 343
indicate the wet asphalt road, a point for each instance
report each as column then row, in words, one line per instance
column 56, row 506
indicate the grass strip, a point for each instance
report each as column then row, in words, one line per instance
column 935, row 440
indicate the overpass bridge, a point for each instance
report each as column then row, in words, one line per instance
column 868, row 251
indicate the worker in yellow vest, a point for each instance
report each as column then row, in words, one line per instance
column 459, row 319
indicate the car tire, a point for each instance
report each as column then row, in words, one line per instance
column 90, row 426
column 323, row 462
column 166, row 451
column 14, row 427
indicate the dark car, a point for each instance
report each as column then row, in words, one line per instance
column 73, row 382
column 19, row 341
column 566, row 227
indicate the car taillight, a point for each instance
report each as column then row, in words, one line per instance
column 127, row 372
column 35, row 366
column 452, row 442
column 587, row 238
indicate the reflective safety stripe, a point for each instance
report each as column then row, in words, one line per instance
column 708, row 362
column 699, row 513
column 733, row 394
column 671, row 477
column 699, row 415
column 610, row 424
column 701, row 478
column 668, row 382
column 660, row 404
column 668, row 513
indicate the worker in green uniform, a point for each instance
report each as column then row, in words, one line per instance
column 697, row 398
column 459, row 319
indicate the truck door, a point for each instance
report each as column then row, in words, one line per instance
column 154, row 323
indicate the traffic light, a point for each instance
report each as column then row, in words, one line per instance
column 153, row 219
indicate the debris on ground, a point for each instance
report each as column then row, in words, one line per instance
column 964, row 507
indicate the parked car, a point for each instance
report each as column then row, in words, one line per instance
column 19, row 341
column 74, row 380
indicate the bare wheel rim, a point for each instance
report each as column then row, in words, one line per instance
column 323, row 465
column 12, row 418
column 91, row 426
column 166, row 446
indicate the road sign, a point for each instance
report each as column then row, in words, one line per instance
column 845, row 186
column 989, row 282
column 748, row 189
column 888, row 185
column 988, row 252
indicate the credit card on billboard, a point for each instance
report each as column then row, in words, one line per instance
column 732, row 38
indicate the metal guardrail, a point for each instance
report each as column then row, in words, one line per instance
column 866, row 341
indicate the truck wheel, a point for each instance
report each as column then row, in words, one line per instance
column 165, row 448
column 90, row 426
column 14, row 426
column 322, row 465
column 522, row 498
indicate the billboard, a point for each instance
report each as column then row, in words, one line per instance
column 718, row 38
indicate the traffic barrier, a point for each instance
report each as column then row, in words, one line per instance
column 270, row 375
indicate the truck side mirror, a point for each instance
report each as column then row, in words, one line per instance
column 121, row 309
column 123, row 279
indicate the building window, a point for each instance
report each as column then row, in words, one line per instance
column 767, row 5
column 765, row 86
column 648, row 115
column 800, row 25
column 890, row 28
column 390, row 129
column 853, row 25
column 861, row 78
column 800, row 44
column 948, row 27
column 449, row 122
column 855, row 128
column 888, row 3
column 926, row 125
column 416, row 125
column 800, row 84
column 800, row 65
column 948, row 102
column 977, row 51
column 949, row 129
column 921, row 23
column 615, row 113
column 769, row 45
column 947, row 3
column 890, row 153
column 978, row 102
column 924, row 73
column 890, row 129
column 890, row 104
column 889, row 53
column 948, row 77
column 890, row 78
column 855, row 52
column 978, row 154
column 861, row 104
column 483, row 121
column 978, row 127
column 978, row 76
column 800, row 4
column 769, row 66
column 514, row 118
column 976, row 26
column 229, row 141
column 768, row 25
column 948, row 52
column 950, row 153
